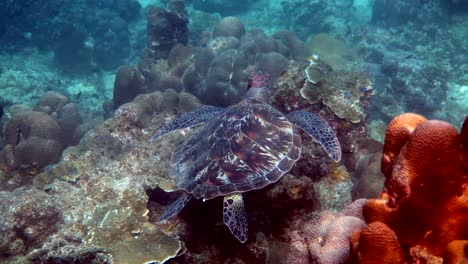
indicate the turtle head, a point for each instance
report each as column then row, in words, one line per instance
column 259, row 85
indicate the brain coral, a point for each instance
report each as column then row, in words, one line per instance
column 325, row 236
column 377, row 243
column 425, row 200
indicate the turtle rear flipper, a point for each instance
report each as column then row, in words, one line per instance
column 234, row 216
column 199, row 115
column 176, row 206
column 319, row 130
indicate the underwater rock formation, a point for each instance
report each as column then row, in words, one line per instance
column 32, row 138
column 37, row 138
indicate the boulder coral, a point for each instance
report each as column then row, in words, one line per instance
column 37, row 138
column 32, row 138
column 425, row 199
column 141, row 109
column 220, row 66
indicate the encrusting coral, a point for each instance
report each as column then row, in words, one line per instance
column 425, row 200
column 341, row 91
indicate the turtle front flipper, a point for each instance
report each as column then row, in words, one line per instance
column 199, row 115
column 319, row 130
column 176, row 206
column 234, row 216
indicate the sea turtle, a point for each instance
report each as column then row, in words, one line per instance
column 240, row 148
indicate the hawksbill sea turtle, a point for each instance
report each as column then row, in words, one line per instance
column 240, row 148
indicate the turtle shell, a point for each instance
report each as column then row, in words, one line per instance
column 246, row 147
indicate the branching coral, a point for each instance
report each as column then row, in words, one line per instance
column 425, row 200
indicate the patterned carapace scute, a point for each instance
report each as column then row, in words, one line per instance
column 259, row 85
column 246, row 147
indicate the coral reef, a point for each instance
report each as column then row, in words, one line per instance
column 421, row 213
column 229, row 26
column 98, row 192
column 221, row 67
column 140, row 110
column 166, row 28
column 58, row 250
column 341, row 91
column 457, row 252
column 368, row 179
column 28, row 218
column 425, row 197
column 335, row 52
column 126, row 86
column 37, row 138
column 105, row 189
column 376, row 243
